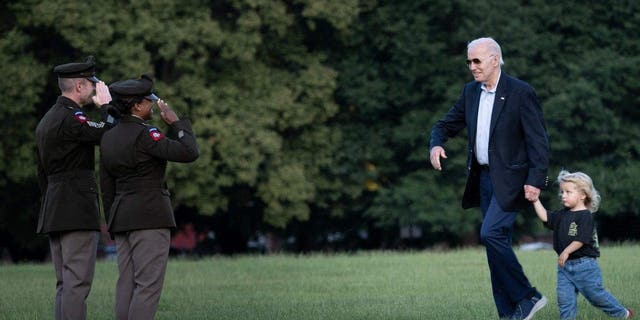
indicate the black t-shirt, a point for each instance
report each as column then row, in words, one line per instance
column 569, row 226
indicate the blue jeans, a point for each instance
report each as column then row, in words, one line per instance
column 508, row 281
column 583, row 275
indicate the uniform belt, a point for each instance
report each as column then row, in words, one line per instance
column 62, row 176
column 139, row 185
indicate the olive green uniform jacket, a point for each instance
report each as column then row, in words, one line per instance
column 66, row 141
column 134, row 158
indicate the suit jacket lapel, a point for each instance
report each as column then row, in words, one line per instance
column 498, row 103
column 473, row 116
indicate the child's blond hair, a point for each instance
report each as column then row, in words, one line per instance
column 584, row 184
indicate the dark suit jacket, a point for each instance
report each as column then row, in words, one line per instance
column 518, row 143
column 133, row 159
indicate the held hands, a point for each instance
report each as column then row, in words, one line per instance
column 102, row 95
column 531, row 193
column 435, row 154
column 166, row 113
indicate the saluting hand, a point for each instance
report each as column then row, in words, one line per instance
column 168, row 115
column 102, row 96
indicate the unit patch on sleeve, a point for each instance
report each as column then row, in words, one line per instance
column 155, row 134
column 80, row 116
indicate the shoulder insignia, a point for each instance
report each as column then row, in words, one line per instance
column 155, row 134
column 80, row 116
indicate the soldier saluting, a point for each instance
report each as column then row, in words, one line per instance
column 138, row 209
column 69, row 211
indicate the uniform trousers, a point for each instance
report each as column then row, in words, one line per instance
column 508, row 281
column 142, row 262
column 74, row 258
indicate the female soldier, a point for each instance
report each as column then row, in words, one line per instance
column 138, row 209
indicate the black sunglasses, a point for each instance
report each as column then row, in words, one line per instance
column 475, row 61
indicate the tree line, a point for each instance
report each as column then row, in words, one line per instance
column 313, row 117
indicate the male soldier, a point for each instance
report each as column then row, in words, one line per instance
column 69, row 211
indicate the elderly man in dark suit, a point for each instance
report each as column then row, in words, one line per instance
column 507, row 166
column 69, row 213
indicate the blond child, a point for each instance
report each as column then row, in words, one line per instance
column 576, row 241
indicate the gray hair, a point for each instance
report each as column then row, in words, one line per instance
column 492, row 44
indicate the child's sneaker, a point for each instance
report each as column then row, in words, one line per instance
column 629, row 313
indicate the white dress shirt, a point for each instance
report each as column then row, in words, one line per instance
column 485, row 108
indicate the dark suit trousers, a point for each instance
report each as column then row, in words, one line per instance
column 142, row 262
column 508, row 281
column 74, row 258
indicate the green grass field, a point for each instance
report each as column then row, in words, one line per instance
column 367, row 285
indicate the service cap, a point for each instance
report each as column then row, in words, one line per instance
column 78, row 70
column 140, row 87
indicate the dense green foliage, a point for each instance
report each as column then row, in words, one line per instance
column 311, row 110
column 374, row 285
